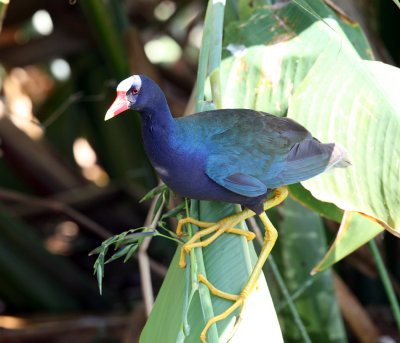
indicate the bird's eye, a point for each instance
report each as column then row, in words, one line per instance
column 135, row 90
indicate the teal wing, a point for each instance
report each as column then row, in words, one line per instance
column 251, row 151
column 243, row 184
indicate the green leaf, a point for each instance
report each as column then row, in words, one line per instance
column 99, row 272
column 131, row 251
column 326, row 209
column 166, row 197
column 165, row 321
column 100, row 260
column 174, row 211
column 228, row 262
column 119, row 253
column 355, row 230
column 361, row 112
column 96, row 251
column 110, row 240
column 266, row 59
column 131, row 238
column 159, row 203
column 119, row 239
column 154, row 192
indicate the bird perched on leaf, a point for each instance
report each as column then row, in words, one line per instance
column 232, row 155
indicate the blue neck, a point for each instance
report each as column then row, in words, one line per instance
column 158, row 129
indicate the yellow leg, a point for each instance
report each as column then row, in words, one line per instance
column 215, row 290
column 224, row 225
column 269, row 240
column 191, row 243
column 192, row 221
column 249, row 235
column 221, row 316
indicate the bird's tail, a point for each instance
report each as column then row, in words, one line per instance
column 311, row 157
column 338, row 157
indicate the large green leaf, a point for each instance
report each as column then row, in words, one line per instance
column 227, row 264
column 165, row 321
column 269, row 55
column 343, row 100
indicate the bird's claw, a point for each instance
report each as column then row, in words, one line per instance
column 239, row 301
column 216, row 229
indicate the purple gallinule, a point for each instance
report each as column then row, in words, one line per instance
column 232, row 155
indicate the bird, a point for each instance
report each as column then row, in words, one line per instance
column 239, row 156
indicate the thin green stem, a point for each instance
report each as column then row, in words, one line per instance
column 169, row 237
column 386, row 281
column 171, row 233
column 204, row 292
column 193, row 262
column 203, row 58
column 192, row 256
column 191, row 284
column 299, row 291
column 286, row 295
column 185, row 328
column 187, row 300
column 218, row 8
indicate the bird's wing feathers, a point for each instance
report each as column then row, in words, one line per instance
column 244, row 184
column 251, row 149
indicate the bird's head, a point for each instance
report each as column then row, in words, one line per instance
column 138, row 93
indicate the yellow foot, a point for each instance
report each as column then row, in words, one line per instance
column 239, row 301
column 226, row 225
column 216, row 229
column 190, row 220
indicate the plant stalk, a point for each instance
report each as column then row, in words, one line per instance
column 285, row 291
column 203, row 59
column 386, row 281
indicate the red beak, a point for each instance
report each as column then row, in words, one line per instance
column 119, row 105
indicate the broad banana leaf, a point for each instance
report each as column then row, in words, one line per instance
column 354, row 104
column 227, row 264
